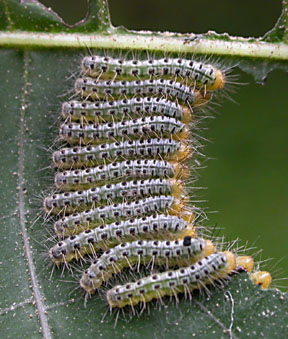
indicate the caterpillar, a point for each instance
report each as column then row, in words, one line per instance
column 133, row 169
column 95, row 89
column 69, row 202
column 88, row 156
column 107, row 111
column 154, row 252
column 89, row 219
column 154, row 126
column 157, row 226
column 170, row 283
column 200, row 73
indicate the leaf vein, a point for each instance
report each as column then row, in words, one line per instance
column 35, row 285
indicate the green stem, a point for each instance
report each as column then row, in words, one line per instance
column 239, row 47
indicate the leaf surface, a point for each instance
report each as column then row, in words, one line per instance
column 34, row 304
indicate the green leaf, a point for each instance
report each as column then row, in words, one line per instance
column 31, row 15
column 279, row 33
column 33, row 304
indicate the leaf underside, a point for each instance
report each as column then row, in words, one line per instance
column 34, row 84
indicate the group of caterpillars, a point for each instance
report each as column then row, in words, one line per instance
column 121, row 179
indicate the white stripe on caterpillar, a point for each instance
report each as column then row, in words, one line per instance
column 133, row 169
column 155, row 126
column 68, row 202
column 94, row 89
column 138, row 107
column 154, row 252
column 170, row 283
column 89, row 219
column 157, row 226
column 203, row 74
column 77, row 157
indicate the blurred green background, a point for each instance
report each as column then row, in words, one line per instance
column 247, row 178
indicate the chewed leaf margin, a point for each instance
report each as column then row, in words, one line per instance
column 279, row 33
column 31, row 15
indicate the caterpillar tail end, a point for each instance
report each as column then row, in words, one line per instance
column 261, row 278
column 231, row 262
column 219, row 81
column 245, row 262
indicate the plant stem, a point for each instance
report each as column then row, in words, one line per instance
column 169, row 42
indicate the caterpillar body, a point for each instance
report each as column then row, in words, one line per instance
column 116, row 171
column 170, row 283
column 69, row 202
column 89, row 219
column 200, row 73
column 95, row 89
column 157, row 226
column 155, row 126
column 154, row 252
column 88, row 156
column 107, row 111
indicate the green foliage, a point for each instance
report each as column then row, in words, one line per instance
column 33, row 305
column 32, row 16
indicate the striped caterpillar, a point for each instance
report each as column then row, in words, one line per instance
column 95, row 89
column 155, row 126
column 200, row 73
column 154, row 252
column 133, row 169
column 69, row 202
column 89, row 156
column 170, row 283
column 157, row 226
column 107, row 111
column 89, row 219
